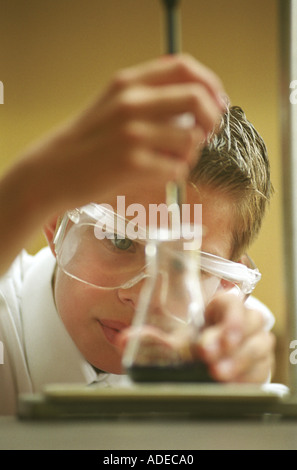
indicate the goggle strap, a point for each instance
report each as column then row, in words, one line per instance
column 59, row 235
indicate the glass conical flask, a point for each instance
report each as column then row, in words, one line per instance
column 168, row 317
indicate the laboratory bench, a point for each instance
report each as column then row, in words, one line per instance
column 160, row 417
column 152, row 434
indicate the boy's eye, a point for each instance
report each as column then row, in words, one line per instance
column 121, row 243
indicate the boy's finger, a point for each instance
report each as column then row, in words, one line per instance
column 255, row 350
column 180, row 68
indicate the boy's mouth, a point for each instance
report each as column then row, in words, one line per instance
column 111, row 329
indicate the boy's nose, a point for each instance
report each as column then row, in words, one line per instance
column 157, row 293
column 130, row 296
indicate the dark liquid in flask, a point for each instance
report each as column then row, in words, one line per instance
column 189, row 372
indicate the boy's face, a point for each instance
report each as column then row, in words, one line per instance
column 94, row 317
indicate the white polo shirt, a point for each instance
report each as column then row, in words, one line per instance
column 37, row 347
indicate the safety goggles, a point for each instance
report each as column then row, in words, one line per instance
column 102, row 249
column 218, row 273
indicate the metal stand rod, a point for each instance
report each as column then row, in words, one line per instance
column 175, row 191
column 172, row 25
column 288, row 112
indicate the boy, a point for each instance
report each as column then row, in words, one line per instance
column 57, row 326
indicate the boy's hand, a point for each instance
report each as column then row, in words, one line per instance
column 234, row 343
column 130, row 133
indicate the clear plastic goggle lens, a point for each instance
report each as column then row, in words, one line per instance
column 222, row 274
column 108, row 259
column 110, row 262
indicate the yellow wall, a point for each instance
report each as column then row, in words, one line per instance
column 55, row 55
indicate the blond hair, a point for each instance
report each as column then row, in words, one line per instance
column 235, row 162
